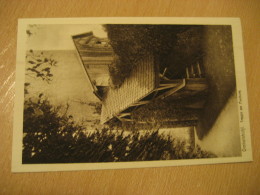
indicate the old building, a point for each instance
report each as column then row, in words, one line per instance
column 95, row 55
column 146, row 84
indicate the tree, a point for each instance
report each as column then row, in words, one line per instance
column 39, row 66
column 175, row 46
column 52, row 137
column 132, row 42
column 32, row 29
column 97, row 107
column 48, row 134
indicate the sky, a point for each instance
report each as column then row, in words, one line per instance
column 70, row 84
column 58, row 36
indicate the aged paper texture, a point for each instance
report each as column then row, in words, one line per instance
column 108, row 93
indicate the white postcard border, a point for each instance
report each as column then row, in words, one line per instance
column 245, row 137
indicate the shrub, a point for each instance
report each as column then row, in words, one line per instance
column 52, row 137
column 132, row 42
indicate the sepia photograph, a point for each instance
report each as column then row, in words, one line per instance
column 96, row 94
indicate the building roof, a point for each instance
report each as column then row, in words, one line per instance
column 143, row 79
column 95, row 58
column 75, row 39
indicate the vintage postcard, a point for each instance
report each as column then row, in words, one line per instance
column 108, row 93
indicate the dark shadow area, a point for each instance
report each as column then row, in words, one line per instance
column 182, row 48
column 218, row 62
column 211, row 47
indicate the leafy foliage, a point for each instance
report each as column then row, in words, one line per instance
column 52, row 137
column 132, row 42
column 97, row 107
column 32, row 30
column 46, row 130
column 171, row 109
column 119, row 69
column 39, row 66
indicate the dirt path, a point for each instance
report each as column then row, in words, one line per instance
column 223, row 138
